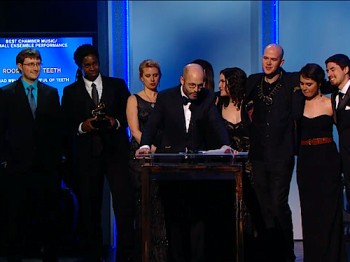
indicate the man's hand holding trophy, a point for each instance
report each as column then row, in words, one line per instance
column 99, row 120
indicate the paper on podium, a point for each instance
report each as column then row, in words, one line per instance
column 220, row 151
column 223, row 151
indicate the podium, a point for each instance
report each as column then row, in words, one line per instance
column 183, row 166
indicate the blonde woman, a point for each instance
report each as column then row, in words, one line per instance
column 139, row 108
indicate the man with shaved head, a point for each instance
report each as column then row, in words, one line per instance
column 182, row 115
column 277, row 102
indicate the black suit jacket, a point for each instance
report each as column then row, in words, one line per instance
column 25, row 142
column 274, row 133
column 342, row 120
column 168, row 117
column 77, row 106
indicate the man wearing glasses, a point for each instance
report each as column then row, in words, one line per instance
column 29, row 156
column 182, row 114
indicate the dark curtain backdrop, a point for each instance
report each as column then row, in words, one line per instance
column 48, row 16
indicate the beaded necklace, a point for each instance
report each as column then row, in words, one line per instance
column 268, row 99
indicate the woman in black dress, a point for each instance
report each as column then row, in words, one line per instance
column 139, row 108
column 318, row 174
column 229, row 103
column 236, row 118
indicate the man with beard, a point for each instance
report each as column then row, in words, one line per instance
column 338, row 67
column 182, row 114
column 277, row 102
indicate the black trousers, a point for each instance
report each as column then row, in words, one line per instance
column 272, row 184
column 89, row 191
column 31, row 205
column 345, row 160
column 184, row 210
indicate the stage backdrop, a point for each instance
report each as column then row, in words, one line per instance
column 58, row 68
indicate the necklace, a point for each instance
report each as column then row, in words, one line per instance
column 268, row 99
column 152, row 101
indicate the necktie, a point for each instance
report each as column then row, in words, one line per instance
column 341, row 95
column 94, row 93
column 31, row 100
column 185, row 100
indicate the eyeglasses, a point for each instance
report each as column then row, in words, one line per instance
column 193, row 85
column 33, row 64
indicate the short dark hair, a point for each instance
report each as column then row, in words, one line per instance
column 314, row 72
column 340, row 59
column 82, row 51
column 28, row 52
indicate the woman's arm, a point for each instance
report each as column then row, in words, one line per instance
column 133, row 121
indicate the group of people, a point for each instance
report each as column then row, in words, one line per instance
column 83, row 139
column 274, row 115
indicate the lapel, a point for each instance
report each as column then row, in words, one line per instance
column 40, row 98
column 106, row 91
column 334, row 109
column 22, row 98
column 342, row 103
column 83, row 94
column 179, row 109
column 197, row 105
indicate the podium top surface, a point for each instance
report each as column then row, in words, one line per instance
column 202, row 158
column 199, row 154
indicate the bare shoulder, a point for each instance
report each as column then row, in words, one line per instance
column 141, row 94
column 132, row 100
column 327, row 104
column 326, row 100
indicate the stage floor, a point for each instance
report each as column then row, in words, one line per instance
column 298, row 249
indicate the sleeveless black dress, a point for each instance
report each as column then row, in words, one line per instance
column 221, row 235
column 320, row 191
column 159, row 239
column 144, row 109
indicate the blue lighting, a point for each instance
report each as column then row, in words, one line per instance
column 124, row 39
column 270, row 22
column 118, row 53
column 111, row 52
column 127, row 46
column 118, row 39
column 276, row 22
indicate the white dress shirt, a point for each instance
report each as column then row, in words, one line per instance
column 99, row 87
column 97, row 82
column 343, row 90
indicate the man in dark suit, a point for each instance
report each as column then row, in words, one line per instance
column 338, row 71
column 182, row 114
column 277, row 103
column 30, row 155
column 98, row 147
